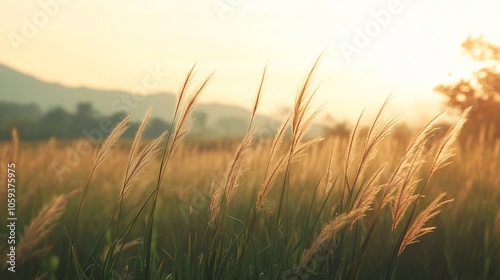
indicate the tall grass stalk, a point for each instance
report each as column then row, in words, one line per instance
column 181, row 122
column 101, row 154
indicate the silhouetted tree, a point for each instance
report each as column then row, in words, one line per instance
column 84, row 118
column 336, row 128
column 233, row 127
column 85, row 110
column 482, row 90
column 18, row 115
column 54, row 123
column 156, row 127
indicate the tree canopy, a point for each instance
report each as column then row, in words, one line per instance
column 32, row 124
column 481, row 90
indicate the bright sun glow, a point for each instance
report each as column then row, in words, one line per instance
column 371, row 48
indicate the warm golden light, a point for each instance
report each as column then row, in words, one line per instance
column 371, row 48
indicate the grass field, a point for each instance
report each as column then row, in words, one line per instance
column 372, row 206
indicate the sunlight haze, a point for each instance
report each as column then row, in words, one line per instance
column 110, row 45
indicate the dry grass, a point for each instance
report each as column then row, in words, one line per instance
column 223, row 190
column 362, row 196
column 41, row 227
column 418, row 229
column 211, row 161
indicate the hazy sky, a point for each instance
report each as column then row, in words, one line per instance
column 372, row 48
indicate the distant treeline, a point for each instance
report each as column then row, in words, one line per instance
column 32, row 124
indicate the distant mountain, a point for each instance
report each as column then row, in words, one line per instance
column 20, row 88
column 16, row 87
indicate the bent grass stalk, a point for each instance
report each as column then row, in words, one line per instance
column 220, row 197
column 139, row 157
column 181, row 123
column 100, row 155
column 301, row 119
column 414, row 227
column 388, row 194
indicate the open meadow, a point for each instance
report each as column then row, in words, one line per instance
column 375, row 205
column 259, row 140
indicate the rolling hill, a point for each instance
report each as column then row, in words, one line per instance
column 17, row 87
